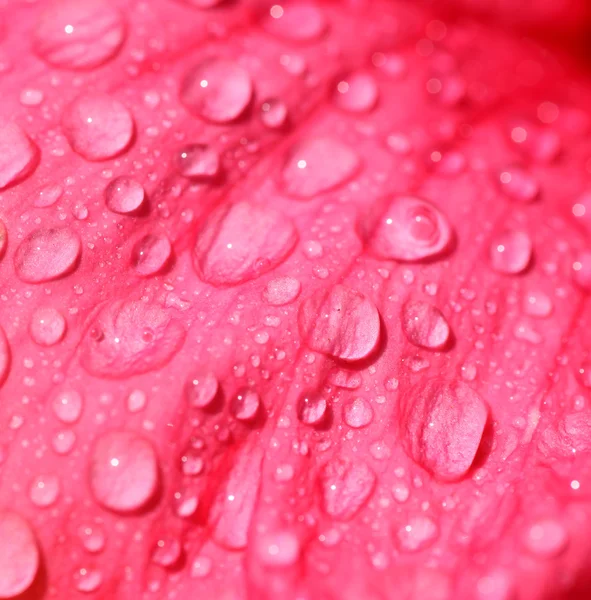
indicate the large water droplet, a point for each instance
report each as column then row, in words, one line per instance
column 128, row 338
column 356, row 93
column 18, row 154
column 345, row 485
column 510, row 252
column 44, row 490
column 97, row 126
column 410, row 230
column 123, row 471
column 357, row 413
column 47, row 254
column 245, row 405
column 317, row 165
column 547, row 538
column 79, row 35
column 311, row 408
column 217, row 89
column 441, row 425
column 297, row 20
column 19, row 559
column 198, row 161
column 424, row 325
column 419, row 533
column 47, row 327
column 124, row 195
column 241, row 242
column 67, row 406
column 341, row 322
column 151, row 254
column 281, row 291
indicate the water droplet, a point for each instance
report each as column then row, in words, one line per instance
column 167, row 551
column 192, row 463
column 357, row 413
column 296, row 20
column 441, row 425
column 136, row 401
column 48, row 196
column 67, row 406
column 424, row 325
column 311, row 408
column 79, row 35
column 92, row 537
column 18, row 154
column 242, row 241
column 340, row 322
column 537, row 304
column 124, row 195
column 44, row 490
column 273, row 113
column 47, row 326
column 5, row 356
column 97, row 126
column 123, row 471
column 410, row 230
column 116, row 345
column 510, row 252
column 519, row 185
column 400, row 492
column 546, row 538
column 245, row 405
column 201, row 566
column 278, row 549
column 64, row 441
column 88, row 580
column 47, row 254
column 356, row 93
column 419, row 533
column 200, row 390
column 281, row 291
column 317, row 165
column 198, row 161
column 581, row 270
column 19, row 562
column 346, row 485
column 31, row 97
column 151, row 254
column 217, row 90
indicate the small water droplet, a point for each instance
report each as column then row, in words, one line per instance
column 274, row 113
column 417, row 534
column 97, row 126
column 47, row 327
column 296, row 20
column 281, row 291
column 201, row 566
column 48, row 196
column 217, row 89
column 245, row 405
column 44, row 490
column 151, row 254
column 278, row 549
column 18, row 154
column 67, row 406
column 311, row 408
column 581, row 270
column 92, row 537
column 201, row 389
column 357, row 413
column 88, row 580
column 424, row 325
column 356, row 93
column 63, row 441
column 537, row 304
column 313, row 249
column 519, row 185
column 198, row 161
column 136, row 401
column 511, row 251
column 124, row 195
column 123, row 471
column 167, row 551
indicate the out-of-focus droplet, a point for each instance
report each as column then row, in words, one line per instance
column 511, row 251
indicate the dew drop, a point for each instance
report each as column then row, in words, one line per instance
column 92, row 537
column 546, row 538
column 47, row 327
column 317, row 165
column 18, row 154
column 295, row 20
column 123, row 471
column 519, row 185
column 581, row 270
column 357, row 413
column 88, row 580
column 411, row 230
column 44, row 490
column 198, row 161
column 151, row 254
column 136, row 401
column 19, row 561
column 356, row 93
column 67, row 406
column 242, row 241
column 537, row 304
column 124, row 195
column 192, row 463
column 64, row 441
column 217, row 89
column 201, row 389
column 48, row 196
column 167, row 551
column 273, row 113
column 245, row 405
column 340, row 322
column 311, row 408
column 424, row 325
column 97, row 126
column 281, row 291
column 419, row 533
column 47, row 254
column 201, row 567
column 510, row 252
column 278, row 549
column 79, row 35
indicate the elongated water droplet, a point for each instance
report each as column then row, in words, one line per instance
column 124, row 195
column 341, row 322
column 68, row 405
column 151, row 254
column 47, row 254
column 201, row 389
column 48, row 196
column 357, row 413
column 44, row 490
column 217, row 89
column 356, row 93
column 311, row 408
column 317, row 165
column 410, row 230
column 281, row 291
column 510, row 252
column 97, row 126
column 424, row 325
column 297, row 20
column 48, row 326
column 79, row 35
column 198, row 161
column 273, row 113
column 18, row 154
column 123, row 471
column 241, row 242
